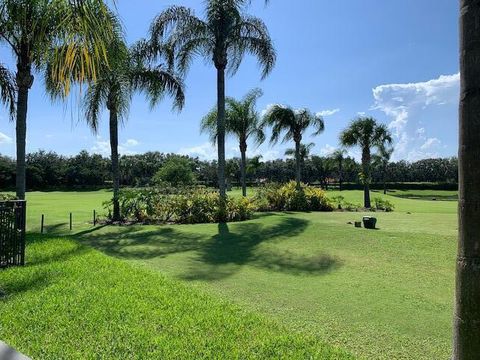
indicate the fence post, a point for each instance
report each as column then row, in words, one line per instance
column 70, row 221
column 41, row 224
column 94, row 218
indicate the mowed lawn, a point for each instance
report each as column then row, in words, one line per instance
column 379, row 294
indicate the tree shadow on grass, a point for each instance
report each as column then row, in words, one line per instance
column 221, row 255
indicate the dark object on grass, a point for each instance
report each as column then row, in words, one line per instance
column 12, row 233
column 358, row 224
column 369, row 222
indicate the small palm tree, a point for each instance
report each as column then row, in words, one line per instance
column 241, row 120
column 7, row 90
column 305, row 150
column 66, row 38
column 381, row 161
column 367, row 134
column 338, row 156
column 223, row 37
column 254, row 164
column 293, row 123
column 127, row 71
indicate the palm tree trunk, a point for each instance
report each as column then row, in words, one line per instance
column 243, row 166
column 221, row 140
column 24, row 81
column 366, row 173
column 115, row 166
column 298, row 170
column 466, row 343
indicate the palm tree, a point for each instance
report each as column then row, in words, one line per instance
column 241, row 120
column 293, row 123
column 254, row 164
column 7, row 90
column 62, row 37
column 466, row 344
column 127, row 71
column 381, row 160
column 305, row 150
column 366, row 133
column 223, row 37
column 338, row 156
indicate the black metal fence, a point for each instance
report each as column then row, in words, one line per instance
column 12, row 233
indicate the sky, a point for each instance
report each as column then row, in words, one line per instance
column 396, row 61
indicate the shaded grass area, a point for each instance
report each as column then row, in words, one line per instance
column 316, row 274
column 384, row 294
column 73, row 302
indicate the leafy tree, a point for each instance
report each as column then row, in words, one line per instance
column 381, row 161
column 223, row 37
column 64, row 38
column 176, row 171
column 127, row 71
column 366, row 133
column 293, row 123
column 241, row 120
column 466, row 344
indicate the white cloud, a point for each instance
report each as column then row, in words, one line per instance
column 431, row 143
column 4, row 139
column 361, row 113
column 327, row 150
column 103, row 147
column 324, row 113
column 402, row 101
column 205, row 151
column 130, row 143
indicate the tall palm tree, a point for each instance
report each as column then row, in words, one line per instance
column 338, row 156
column 64, row 37
column 241, row 120
column 381, row 161
column 7, row 90
column 466, row 344
column 127, row 71
column 293, row 123
column 366, row 133
column 223, row 37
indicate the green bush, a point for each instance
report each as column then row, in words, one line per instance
column 190, row 206
column 382, row 204
column 274, row 197
column 341, row 204
column 176, row 171
column 7, row 197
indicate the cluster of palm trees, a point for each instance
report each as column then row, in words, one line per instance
column 243, row 121
column 80, row 41
column 90, row 48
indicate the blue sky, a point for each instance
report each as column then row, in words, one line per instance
column 394, row 60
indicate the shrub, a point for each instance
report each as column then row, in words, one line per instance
column 176, row 171
column 7, row 197
column 190, row 206
column 274, row 197
column 382, row 204
column 341, row 204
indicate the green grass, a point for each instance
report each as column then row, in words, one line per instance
column 72, row 302
column 384, row 294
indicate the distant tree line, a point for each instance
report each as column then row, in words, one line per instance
column 48, row 170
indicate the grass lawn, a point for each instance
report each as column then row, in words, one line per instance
column 383, row 294
column 72, row 302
